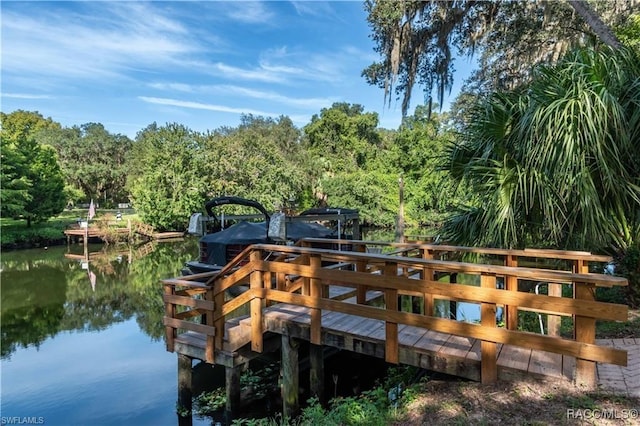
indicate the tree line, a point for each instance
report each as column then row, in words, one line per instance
column 340, row 158
column 540, row 148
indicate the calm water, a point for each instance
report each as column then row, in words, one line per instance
column 83, row 342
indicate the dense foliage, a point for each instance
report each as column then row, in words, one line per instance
column 556, row 161
column 418, row 40
column 340, row 159
column 93, row 161
column 31, row 177
column 167, row 175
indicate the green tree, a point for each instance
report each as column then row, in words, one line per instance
column 34, row 182
column 556, row 162
column 629, row 32
column 93, row 160
column 258, row 160
column 418, row 39
column 167, row 175
column 419, row 147
column 342, row 139
column 14, row 184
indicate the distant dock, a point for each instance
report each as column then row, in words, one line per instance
column 104, row 233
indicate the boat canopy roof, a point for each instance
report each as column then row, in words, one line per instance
column 246, row 233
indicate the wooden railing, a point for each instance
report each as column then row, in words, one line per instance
column 575, row 261
column 302, row 276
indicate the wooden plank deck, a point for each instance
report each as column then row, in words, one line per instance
column 93, row 232
column 419, row 347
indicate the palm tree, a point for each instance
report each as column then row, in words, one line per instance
column 558, row 161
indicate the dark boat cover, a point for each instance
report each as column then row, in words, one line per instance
column 247, row 233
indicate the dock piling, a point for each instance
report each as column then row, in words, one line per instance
column 316, row 373
column 290, row 379
column 185, row 373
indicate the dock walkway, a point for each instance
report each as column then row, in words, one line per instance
column 349, row 300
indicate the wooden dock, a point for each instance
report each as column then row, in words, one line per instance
column 428, row 349
column 349, row 301
column 144, row 230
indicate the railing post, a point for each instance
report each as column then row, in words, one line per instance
column 170, row 312
column 553, row 321
column 453, row 305
column 267, row 282
column 427, row 275
column 281, row 282
column 391, row 328
column 488, row 350
column 584, row 328
column 257, row 328
column 511, row 284
column 316, row 292
column 218, row 302
column 361, row 266
column 209, row 350
column 306, row 281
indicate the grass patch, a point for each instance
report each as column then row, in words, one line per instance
column 620, row 330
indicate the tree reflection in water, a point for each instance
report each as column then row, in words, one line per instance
column 45, row 293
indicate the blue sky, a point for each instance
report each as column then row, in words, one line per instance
column 127, row 64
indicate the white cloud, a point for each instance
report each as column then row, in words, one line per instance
column 312, row 103
column 256, row 74
column 177, row 87
column 313, row 8
column 250, row 12
column 199, row 105
column 24, row 96
column 104, row 41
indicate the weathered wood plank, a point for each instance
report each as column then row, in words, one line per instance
column 545, row 364
column 186, row 325
column 188, row 301
column 568, row 366
column 409, row 335
column 374, row 329
column 457, row 346
column 514, row 358
column 432, row 341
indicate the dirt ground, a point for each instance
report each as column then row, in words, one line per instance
column 450, row 401
column 526, row 402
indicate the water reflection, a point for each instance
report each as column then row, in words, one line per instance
column 77, row 352
column 45, row 292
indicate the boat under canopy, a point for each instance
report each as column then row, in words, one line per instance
column 220, row 247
